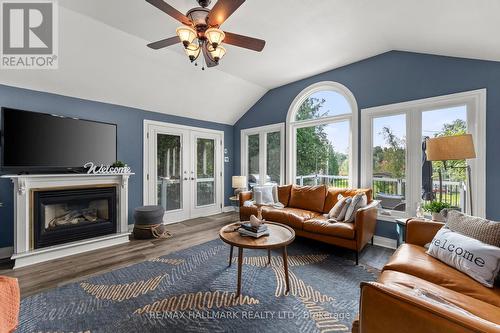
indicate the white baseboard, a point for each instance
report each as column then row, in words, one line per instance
column 6, row 252
column 385, row 242
column 228, row 209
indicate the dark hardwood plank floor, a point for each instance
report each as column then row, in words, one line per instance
column 36, row 278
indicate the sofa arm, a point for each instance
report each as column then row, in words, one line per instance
column 245, row 196
column 421, row 232
column 366, row 221
column 392, row 309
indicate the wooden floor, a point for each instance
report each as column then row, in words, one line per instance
column 55, row 273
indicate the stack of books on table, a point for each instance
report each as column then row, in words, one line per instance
column 246, row 229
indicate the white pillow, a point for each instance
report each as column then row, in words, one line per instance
column 478, row 260
column 358, row 201
column 267, row 194
column 337, row 208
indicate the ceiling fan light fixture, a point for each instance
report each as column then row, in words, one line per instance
column 186, row 35
column 215, row 36
column 217, row 53
column 193, row 51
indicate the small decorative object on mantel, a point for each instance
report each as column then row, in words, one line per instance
column 435, row 207
column 117, row 168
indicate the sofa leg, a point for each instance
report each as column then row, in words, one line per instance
column 357, row 257
column 372, row 240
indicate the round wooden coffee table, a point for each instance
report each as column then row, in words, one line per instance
column 280, row 236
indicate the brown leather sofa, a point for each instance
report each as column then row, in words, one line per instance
column 418, row 293
column 304, row 209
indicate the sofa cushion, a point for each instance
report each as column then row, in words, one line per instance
column 284, row 194
column 321, row 225
column 333, row 193
column 308, row 197
column 438, row 294
column 293, row 217
column 412, row 259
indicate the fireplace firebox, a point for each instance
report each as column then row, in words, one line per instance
column 67, row 215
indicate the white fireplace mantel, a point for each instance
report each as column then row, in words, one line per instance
column 24, row 185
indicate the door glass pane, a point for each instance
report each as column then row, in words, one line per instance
column 389, row 162
column 253, row 160
column 445, row 122
column 323, row 155
column 169, row 184
column 273, row 165
column 205, row 172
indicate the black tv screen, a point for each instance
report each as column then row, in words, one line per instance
column 41, row 142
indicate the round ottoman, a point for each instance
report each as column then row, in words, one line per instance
column 149, row 222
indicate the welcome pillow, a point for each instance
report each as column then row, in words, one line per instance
column 478, row 260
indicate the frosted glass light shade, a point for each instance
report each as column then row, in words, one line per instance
column 446, row 148
column 186, row 34
column 192, row 51
column 239, row 181
column 217, row 53
column 215, row 36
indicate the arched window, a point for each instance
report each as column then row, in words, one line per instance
column 322, row 136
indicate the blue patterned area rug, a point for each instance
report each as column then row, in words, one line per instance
column 193, row 290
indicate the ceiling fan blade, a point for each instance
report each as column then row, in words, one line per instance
column 210, row 62
column 164, row 43
column 222, row 10
column 244, row 41
column 165, row 7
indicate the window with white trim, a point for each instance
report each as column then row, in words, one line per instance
column 391, row 152
column 262, row 154
column 322, row 136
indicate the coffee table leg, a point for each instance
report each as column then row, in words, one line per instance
column 269, row 256
column 240, row 263
column 285, row 264
column 230, row 256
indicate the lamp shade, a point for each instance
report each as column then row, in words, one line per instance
column 445, row 148
column 192, row 51
column 186, row 34
column 239, row 181
column 217, row 53
column 215, row 36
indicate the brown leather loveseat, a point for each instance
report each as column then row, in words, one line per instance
column 418, row 293
column 304, row 209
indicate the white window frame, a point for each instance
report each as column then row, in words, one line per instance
column 476, row 125
column 292, row 125
column 262, row 131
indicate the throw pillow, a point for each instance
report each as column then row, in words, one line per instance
column 358, row 201
column 337, row 208
column 266, row 197
column 476, row 227
column 344, row 209
column 478, row 260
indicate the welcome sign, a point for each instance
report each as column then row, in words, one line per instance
column 93, row 169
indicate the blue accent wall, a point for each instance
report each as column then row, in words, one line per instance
column 395, row 77
column 130, row 144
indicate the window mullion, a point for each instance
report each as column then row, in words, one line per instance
column 262, row 157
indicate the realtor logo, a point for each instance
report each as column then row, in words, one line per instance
column 29, row 34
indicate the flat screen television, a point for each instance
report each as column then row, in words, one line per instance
column 34, row 142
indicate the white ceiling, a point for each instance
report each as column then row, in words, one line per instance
column 106, row 40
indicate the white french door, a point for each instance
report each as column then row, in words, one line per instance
column 183, row 170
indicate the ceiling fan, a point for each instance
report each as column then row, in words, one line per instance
column 200, row 31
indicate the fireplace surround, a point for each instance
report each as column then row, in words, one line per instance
column 66, row 215
column 81, row 212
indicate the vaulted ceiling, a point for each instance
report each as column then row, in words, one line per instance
column 103, row 53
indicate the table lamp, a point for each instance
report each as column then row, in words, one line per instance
column 446, row 148
column 239, row 184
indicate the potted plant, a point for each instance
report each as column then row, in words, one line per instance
column 435, row 208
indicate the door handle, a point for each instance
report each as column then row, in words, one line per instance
column 192, row 178
column 186, row 178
